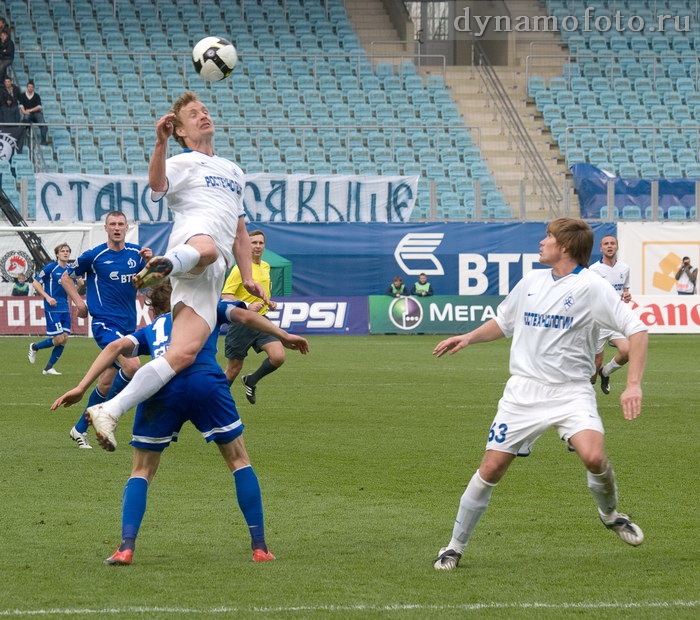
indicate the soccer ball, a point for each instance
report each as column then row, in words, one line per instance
column 214, row 58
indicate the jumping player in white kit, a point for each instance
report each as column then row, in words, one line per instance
column 616, row 272
column 553, row 316
column 205, row 193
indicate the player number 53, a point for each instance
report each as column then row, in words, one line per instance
column 498, row 432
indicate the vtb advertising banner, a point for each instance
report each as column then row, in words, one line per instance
column 438, row 314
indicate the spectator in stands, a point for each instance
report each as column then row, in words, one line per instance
column 422, row 288
column 4, row 26
column 31, row 110
column 9, row 105
column 397, row 288
column 686, row 278
column 7, row 52
column 21, row 287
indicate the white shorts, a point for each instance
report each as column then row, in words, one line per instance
column 202, row 291
column 528, row 408
column 606, row 335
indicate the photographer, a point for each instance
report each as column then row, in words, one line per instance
column 686, row 277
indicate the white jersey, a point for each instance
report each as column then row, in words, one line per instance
column 555, row 324
column 618, row 275
column 205, row 194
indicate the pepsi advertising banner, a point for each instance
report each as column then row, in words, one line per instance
column 439, row 314
column 321, row 315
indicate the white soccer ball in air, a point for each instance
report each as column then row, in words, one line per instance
column 214, row 58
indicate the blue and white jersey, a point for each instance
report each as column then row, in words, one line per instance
column 618, row 275
column 205, row 194
column 50, row 278
column 555, row 324
column 111, row 296
column 154, row 339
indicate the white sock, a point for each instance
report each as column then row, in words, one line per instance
column 611, row 367
column 604, row 490
column 183, row 257
column 144, row 384
column 473, row 504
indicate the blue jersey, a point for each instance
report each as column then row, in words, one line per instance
column 154, row 339
column 111, row 296
column 50, row 278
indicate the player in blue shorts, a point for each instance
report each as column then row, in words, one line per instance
column 201, row 394
column 56, row 308
column 111, row 301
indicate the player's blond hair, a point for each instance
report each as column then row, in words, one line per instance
column 574, row 236
column 184, row 99
column 59, row 247
column 159, row 298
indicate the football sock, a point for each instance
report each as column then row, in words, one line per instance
column 144, row 384
column 265, row 369
column 183, row 257
column 133, row 509
column 250, row 503
column 44, row 344
column 95, row 399
column 604, row 490
column 473, row 504
column 55, row 354
column 611, row 367
column 119, row 383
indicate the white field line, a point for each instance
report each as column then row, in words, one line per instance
column 354, row 608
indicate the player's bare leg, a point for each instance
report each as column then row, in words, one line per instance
column 590, row 447
column 472, row 506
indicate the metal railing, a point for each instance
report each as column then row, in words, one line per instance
column 540, row 175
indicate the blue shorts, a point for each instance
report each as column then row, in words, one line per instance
column 202, row 396
column 57, row 323
column 105, row 332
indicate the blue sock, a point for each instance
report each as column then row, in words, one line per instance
column 119, row 383
column 44, row 344
column 133, row 509
column 250, row 502
column 95, row 399
column 55, row 354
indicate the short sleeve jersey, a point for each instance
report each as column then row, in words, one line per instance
column 555, row 324
column 618, row 275
column 154, row 339
column 234, row 284
column 205, row 194
column 50, row 278
column 110, row 294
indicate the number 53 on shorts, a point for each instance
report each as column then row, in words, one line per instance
column 498, row 432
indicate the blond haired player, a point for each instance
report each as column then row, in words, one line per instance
column 205, row 193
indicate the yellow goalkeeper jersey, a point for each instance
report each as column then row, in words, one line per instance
column 234, row 284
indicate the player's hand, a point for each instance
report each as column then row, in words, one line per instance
column 146, row 253
column 631, row 401
column 51, row 301
column 272, row 305
column 296, row 342
column 256, row 289
column 82, row 311
column 165, row 127
column 626, row 297
column 451, row 345
column 255, row 306
column 69, row 398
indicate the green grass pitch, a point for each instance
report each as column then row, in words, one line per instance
column 363, row 449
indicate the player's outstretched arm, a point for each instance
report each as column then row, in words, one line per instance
column 486, row 333
column 243, row 255
column 631, row 398
column 72, row 292
column 261, row 324
column 102, row 362
column 39, row 288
